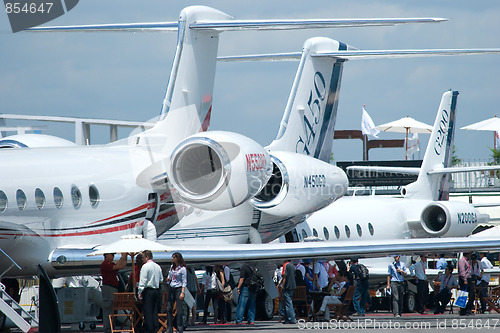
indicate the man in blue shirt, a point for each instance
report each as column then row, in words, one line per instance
column 395, row 278
column 441, row 263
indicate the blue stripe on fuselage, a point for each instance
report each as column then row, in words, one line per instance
column 331, row 104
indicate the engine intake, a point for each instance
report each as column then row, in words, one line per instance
column 450, row 219
column 219, row 170
column 299, row 185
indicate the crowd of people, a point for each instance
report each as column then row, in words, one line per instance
column 325, row 277
column 471, row 276
column 177, row 281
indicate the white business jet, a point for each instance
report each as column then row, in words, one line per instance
column 59, row 198
column 59, row 204
column 424, row 208
column 422, row 211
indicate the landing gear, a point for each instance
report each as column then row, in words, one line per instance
column 265, row 306
column 409, row 301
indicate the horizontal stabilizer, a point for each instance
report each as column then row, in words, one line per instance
column 236, row 25
column 484, row 205
column 372, row 54
column 415, row 171
column 355, row 54
column 405, row 170
column 464, row 169
column 308, row 24
column 132, row 27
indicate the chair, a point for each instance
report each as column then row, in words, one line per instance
column 300, row 302
column 125, row 302
column 492, row 301
column 340, row 310
column 163, row 316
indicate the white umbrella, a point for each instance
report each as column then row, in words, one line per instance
column 405, row 125
column 492, row 124
column 132, row 244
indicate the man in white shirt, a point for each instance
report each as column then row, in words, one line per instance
column 149, row 291
column 320, row 275
column 441, row 263
column 485, row 280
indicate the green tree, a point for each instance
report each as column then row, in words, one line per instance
column 454, row 158
column 495, row 153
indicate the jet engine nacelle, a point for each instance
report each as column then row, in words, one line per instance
column 219, row 170
column 450, row 219
column 300, row 185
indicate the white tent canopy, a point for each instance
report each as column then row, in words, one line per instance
column 491, row 124
column 405, row 125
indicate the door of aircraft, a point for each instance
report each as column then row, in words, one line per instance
column 292, row 236
column 152, row 207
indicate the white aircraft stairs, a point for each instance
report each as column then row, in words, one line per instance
column 12, row 310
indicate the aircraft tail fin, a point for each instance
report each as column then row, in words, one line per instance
column 438, row 155
column 308, row 123
column 188, row 97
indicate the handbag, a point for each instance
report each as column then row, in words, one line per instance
column 227, row 294
column 461, row 300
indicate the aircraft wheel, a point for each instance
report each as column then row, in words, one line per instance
column 92, row 326
column 81, row 326
column 410, row 302
column 265, row 306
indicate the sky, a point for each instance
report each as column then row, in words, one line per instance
column 123, row 76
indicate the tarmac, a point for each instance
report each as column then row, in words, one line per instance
column 372, row 322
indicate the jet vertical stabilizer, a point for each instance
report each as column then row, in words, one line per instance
column 308, row 124
column 438, row 155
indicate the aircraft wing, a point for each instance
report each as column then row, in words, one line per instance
column 354, row 54
column 331, row 250
column 66, row 260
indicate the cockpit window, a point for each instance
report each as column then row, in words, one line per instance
column 94, row 196
column 39, row 198
column 76, row 197
column 315, row 233
column 21, row 199
column 3, row 201
column 58, row 197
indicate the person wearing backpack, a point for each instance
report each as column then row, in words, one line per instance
column 360, row 273
column 247, row 296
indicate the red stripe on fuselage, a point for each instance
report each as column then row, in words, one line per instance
column 206, row 121
column 83, row 233
column 95, row 232
column 167, row 214
column 145, row 206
